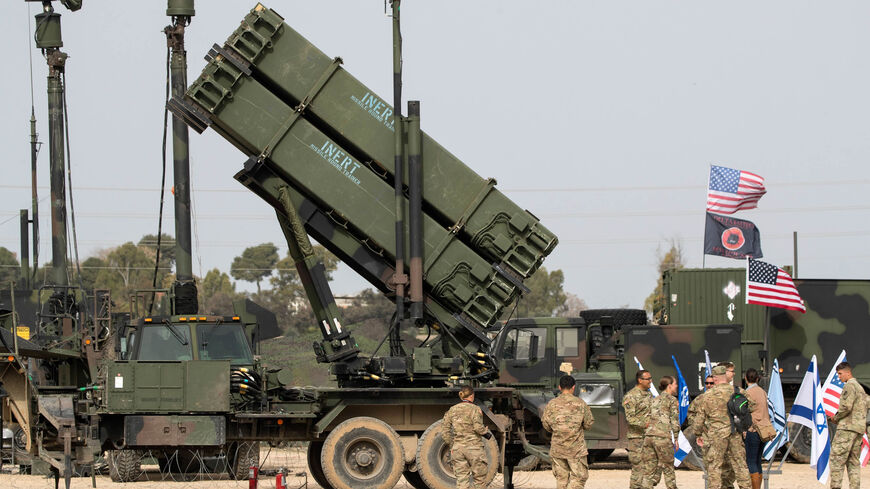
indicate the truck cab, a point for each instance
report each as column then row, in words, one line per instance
column 183, row 338
column 534, row 353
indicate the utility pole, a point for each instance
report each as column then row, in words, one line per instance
column 48, row 38
column 186, row 301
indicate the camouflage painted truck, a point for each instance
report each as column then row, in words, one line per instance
column 318, row 143
column 838, row 312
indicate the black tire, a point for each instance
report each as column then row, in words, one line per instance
column 599, row 455
column 240, row 457
column 362, row 453
column 620, row 317
column 413, row 478
column 19, row 439
column 433, row 459
column 801, row 440
column 124, row 465
column 314, row 466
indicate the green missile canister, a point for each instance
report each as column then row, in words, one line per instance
column 339, row 104
column 255, row 120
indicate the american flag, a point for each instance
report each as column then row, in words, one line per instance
column 831, row 392
column 768, row 285
column 833, row 388
column 731, row 190
column 865, row 450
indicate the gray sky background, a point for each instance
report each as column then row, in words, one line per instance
column 600, row 117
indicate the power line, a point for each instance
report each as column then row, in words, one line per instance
column 626, row 240
column 676, row 213
column 567, row 215
column 625, row 188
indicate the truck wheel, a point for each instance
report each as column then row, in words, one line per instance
column 361, row 453
column 433, row 459
column 413, row 478
column 240, row 457
column 314, row 450
column 800, row 443
column 620, row 316
column 124, row 465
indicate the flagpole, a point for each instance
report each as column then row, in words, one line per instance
column 788, row 450
column 706, row 194
column 766, row 360
column 795, row 255
column 772, row 458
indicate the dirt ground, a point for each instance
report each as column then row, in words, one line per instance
column 611, row 474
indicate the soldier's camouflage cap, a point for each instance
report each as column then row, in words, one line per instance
column 719, row 370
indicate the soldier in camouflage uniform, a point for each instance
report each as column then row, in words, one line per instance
column 567, row 417
column 463, row 431
column 637, row 405
column 659, row 442
column 728, row 476
column 851, row 421
column 712, row 426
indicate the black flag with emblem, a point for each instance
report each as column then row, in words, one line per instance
column 731, row 238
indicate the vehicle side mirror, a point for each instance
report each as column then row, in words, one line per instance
column 533, row 348
column 123, row 348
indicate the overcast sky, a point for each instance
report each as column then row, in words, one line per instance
column 600, row 117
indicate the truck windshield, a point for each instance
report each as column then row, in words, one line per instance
column 159, row 342
column 223, row 342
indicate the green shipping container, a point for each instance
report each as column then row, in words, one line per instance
column 716, row 296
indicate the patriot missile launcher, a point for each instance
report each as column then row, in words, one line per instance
column 318, row 143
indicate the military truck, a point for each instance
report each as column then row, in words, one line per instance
column 184, row 386
column 837, row 314
column 317, row 144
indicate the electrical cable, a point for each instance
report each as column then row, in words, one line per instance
column 36, row 150
column 70, row 193
column 162, row 183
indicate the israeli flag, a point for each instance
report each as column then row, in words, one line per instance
column 808, row 411
column 709, row 366
column 776, row 408
column 683, row 390
column 652, row 388
column 683, row 445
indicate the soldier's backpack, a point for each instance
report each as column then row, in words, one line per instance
column 738, row 411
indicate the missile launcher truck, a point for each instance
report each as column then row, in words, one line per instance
column 318, row 143
column 181, row 386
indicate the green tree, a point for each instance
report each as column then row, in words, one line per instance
column 255, row 263
column 572, row 306
column 91, row 268
column 287, row 297
column 167, row 249
column 670, row 260
column 9, row 268
column 127, row 268
column 217, row 293
column 546, row 296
